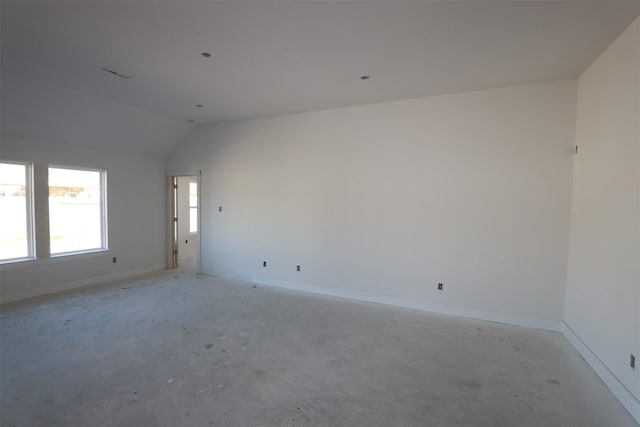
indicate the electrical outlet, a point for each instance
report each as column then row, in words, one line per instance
column 298, row 268
column 632, row 361
column 114, row 259
column 264, row 263
column 440, row 286
column 219, row 208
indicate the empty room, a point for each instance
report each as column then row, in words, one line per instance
column 320, row 213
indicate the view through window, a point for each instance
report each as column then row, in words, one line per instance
column 193, row 207
column 75, row 210
column 14, row 206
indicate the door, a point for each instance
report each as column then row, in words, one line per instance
column 185, row 232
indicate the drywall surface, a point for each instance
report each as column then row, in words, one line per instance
column 471, row 190
column 136, row 223
column 34, row 109
column 603, row 287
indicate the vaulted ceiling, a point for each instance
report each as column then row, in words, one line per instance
column 276, row 57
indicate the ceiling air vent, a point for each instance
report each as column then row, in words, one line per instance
column 116, row 73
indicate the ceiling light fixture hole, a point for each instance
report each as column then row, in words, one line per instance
column 206, row 54
column 365, row 77
column 199, row 105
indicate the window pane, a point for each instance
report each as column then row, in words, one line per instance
column 14, row 236
column 193, row 194
column 75, row 210
column 193, row 220
column 193, row 207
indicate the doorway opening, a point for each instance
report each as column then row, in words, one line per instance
column 185, row 225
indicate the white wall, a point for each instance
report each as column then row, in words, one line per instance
column 472, row 190
column 136, row 212
column 603, row 289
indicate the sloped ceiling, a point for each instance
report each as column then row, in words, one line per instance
column 276, row 57
column 35, row 109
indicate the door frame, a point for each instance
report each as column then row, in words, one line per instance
column 171, row 224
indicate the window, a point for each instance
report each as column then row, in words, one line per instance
column 15, row 206
column 193, row 207
column 76, row 210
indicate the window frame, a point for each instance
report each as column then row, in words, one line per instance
column 29, row 212
column 104, row 228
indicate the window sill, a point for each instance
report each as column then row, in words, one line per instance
column 78, row 253
column 53, row 259
column 15, row 261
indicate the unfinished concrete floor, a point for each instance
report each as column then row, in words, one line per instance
column 174, row 350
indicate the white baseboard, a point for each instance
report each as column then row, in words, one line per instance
column 511, row 319
column 89, row 281
column 227, row 274
column 615, row 385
